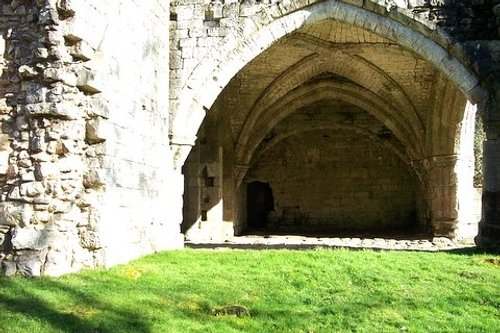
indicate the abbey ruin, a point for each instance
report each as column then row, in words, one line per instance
column 128, row 126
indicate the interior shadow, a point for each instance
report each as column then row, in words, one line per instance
column 260, row 203
column 407, row 233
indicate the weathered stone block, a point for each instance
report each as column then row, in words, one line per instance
column 65, row 110
column 60, row 52
column 90, row 240
column 4, row 237
column 70, row 163
column 416, row 3
column 97, row 130
column 22, row 123
column 4, row 162
column 41, row 157
column 214, row 10
column 28, row 176
column 41, row 53
column 29, row 239
column 94, row 178
column 184, row 12
column 60, row 74
column 29, row 267
column 74, row 129
column 27, row 72
column 14, row 194
column 58, row 261
column 37, row 144
column 67, row 8
column 58, row 206
column 9, row 268
column 358, row 3
column 82, row 51
column 40, row 217
column 31, row 189
column 86, row 81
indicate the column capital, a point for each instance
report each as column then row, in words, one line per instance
column 182, row 140
column 442, row 161
column 181, row 147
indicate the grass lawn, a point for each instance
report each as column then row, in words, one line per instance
column 284, row 291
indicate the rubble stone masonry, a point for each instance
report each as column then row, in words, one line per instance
column 85, row 159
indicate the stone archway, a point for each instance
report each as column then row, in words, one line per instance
column 256, row 29
column 337, row 67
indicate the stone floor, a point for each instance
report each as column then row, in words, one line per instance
column 307, row 242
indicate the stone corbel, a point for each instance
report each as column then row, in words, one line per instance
column 181, row 147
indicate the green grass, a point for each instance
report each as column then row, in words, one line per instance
column 284, row 291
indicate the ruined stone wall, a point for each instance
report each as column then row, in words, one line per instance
column 335, row 179
column 85, row 158
column 44, row 151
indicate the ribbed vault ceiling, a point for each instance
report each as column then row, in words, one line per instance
column 335, row 76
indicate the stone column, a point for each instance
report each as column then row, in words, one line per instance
column 489, row 227
column 204, row 204
column 450, row 194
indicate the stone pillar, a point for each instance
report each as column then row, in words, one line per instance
column 204, row 213
column 489, row 227
column 192, row 187
column 450, row 194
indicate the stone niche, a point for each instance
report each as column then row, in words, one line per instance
column 329, row 179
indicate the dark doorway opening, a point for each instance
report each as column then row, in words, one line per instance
column 260, row 202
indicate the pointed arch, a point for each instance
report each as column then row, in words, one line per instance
column 308, row 94
column 213, row 73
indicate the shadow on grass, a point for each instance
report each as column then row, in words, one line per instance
column 92, row 315
column 472, row 251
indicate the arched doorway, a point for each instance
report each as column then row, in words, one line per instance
column 260, row 203
column 338, row 77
